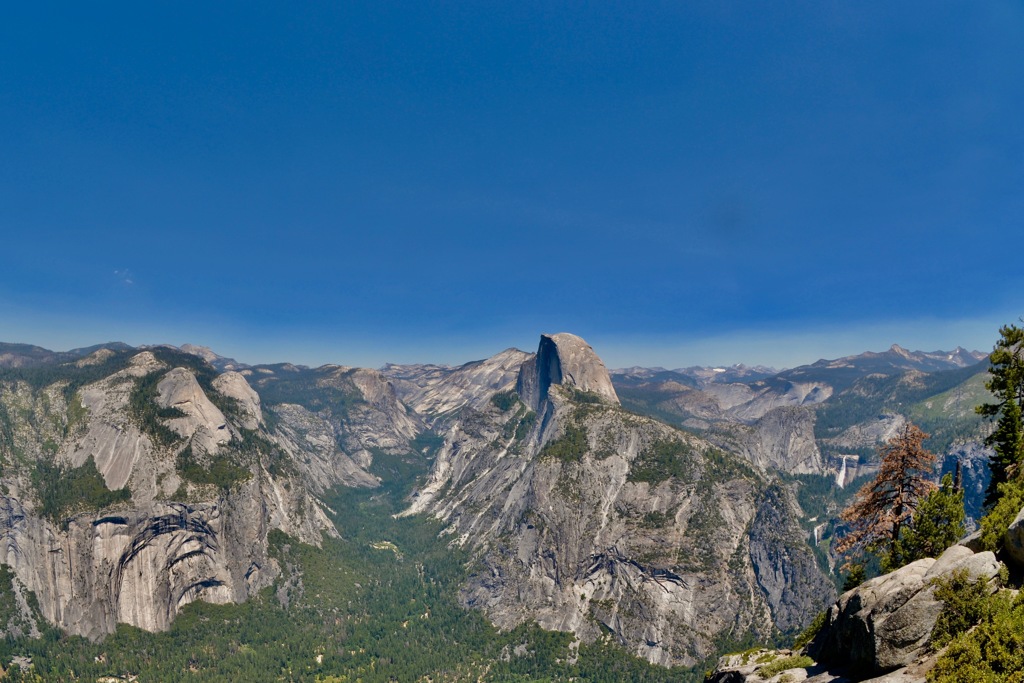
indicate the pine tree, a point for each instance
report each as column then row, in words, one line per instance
column 937, row 524
column 883, row 506
column 1007, row 384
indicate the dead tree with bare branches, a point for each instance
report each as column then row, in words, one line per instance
column 884, row 505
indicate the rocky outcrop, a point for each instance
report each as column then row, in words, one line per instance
column 768, row 396
column 597, row 519
column 233, row 385
column 885, row 623
column 174, row 539
column 135, row 565
column 870, row 433
column 434, row 391
column 1013, row 542
column 786, row 573
column 105, row 431
column 201, row 422
column 563, row 359
column 878, row 632
column 312, row 445
column 783, row 439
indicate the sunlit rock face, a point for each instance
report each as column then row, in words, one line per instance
column 563, row 359
column 165, row 541
column 586, row 518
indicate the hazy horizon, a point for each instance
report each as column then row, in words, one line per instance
column 766, row 349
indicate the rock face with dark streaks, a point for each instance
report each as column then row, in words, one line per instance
column 174, row 535
column 584, row 517
column 787, row 575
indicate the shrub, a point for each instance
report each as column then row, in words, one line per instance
column 64, row 491
column 810, row 632
column 785, row 664
column 992, row 652
column 570, row 447
column 966, row 603
column 998, row 520
column 937, row 524
column 505, row 400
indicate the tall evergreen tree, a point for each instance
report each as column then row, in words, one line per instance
column 1007, row 384
column 883, row 506
column 937, row 524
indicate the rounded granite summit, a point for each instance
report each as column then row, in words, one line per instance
column 568, row 360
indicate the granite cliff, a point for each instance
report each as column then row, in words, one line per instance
column 587, row 518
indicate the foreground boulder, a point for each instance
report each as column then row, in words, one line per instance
column 878, row 632
column 886, row 623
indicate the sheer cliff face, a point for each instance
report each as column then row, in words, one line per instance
column 178, row 536
column 586, row 517
column 563, row 359
column 582, row 516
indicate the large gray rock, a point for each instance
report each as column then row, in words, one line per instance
column 433, row 390
column 233, row 385
column 1013, row 542
column 886, row 623
column 786, row 572
column 783, row 439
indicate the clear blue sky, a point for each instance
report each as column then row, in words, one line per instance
column 678, row 182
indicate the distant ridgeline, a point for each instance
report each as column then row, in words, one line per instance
column 175, row 515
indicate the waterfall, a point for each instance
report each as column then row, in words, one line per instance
column 841, row 477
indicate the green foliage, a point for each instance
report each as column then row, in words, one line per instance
column 505, row 400
column 966, row 601
column 857, row 575
column 785, row 664
column 570, row 447
column 815, row 493
column 993, row 652
column 1006, row 382
column 525, row 424
column 662, row 460
column 516, row 428
column 937, row 524
column 723, row 466
column 314, row 390
column 950, row 417
column 585, row 397
column 71, row 375
column 12, row 616
column 218, row 469
column 78, row 414
column 655, row 520
column 355, row 614
column 1009, row 502
column 810, row 632
column 427, row 443
column 64, row 491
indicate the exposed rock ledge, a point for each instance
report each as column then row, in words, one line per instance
column 877, row 632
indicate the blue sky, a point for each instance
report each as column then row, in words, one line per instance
column 679, row 183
